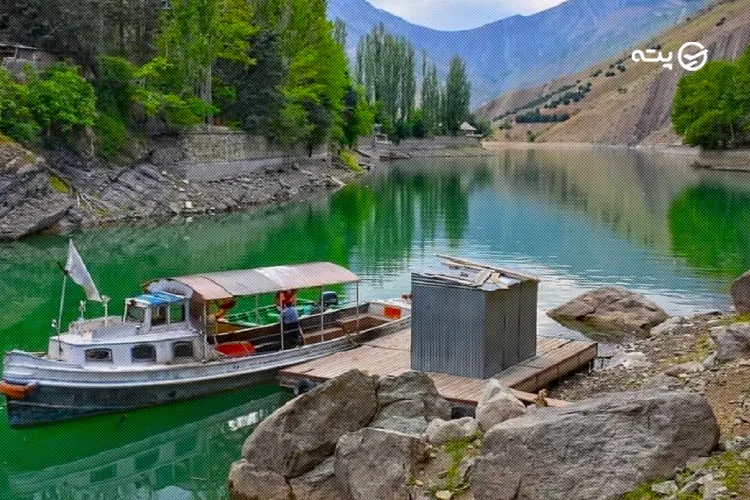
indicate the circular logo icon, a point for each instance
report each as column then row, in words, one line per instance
column 692, row 56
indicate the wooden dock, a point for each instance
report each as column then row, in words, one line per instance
column 391, row 355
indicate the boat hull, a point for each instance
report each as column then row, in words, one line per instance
column 48, row 404
column 59, row 391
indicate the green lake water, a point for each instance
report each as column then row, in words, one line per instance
column 576, row 219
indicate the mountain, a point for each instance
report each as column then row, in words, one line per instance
column 633, row 106
column 525, row 50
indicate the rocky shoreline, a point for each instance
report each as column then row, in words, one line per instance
column 667, row 418
column 62, row 192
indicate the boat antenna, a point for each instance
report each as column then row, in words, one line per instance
column 105, row 303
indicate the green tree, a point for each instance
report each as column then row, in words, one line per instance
column 457, row 96
column 385, row 69
column 85, row 30
column 431, row 113
column 62, row 101
column 197, row 33
column 358, row 116
column 712, row 106
column 258, row 98
column 315, row 67
column 339, row 32
column 16, row 116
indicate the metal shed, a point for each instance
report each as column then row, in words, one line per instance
column 472, row 319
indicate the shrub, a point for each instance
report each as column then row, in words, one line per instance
column 62, row 101
column 16, row 117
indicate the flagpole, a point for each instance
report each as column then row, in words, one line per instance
column 60, row 313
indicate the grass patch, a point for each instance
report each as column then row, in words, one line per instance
column 349, row 159
column 736, row 318
column 736, row 468
column 451, row 478
column 736, row 478
column 59, row 185
column 699, row 352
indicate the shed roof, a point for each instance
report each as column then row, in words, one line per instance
column 467, row 127
column 245, row 282
column 464, row 273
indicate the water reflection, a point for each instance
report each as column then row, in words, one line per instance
column 184, row 459
column 710, row 227
column 577, row 219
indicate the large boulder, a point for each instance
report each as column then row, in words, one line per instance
column 496, row 405
column 248, row 483
column 378, row 463
column 318, row 484
column 597, row 449
column 612, row 308
column 441, row 431
column 732, row 342
column 304, row 432
column 408, row 402
column 741, row 293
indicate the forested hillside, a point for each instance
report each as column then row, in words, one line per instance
column 271, row 67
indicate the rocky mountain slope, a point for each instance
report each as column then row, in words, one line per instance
column 527, row 50
column 632, row 106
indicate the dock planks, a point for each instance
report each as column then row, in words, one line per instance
column 391, row 355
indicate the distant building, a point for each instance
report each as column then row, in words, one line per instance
column 468, row 130
column 15, row 57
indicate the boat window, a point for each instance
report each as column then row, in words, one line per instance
column 176, row 313
column 135, row 314
column 99, row 355
column 183, row 349
column 159, row 315
column 143, row 352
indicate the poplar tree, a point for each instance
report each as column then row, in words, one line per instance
column 457, row 96
column 430, row 97
column 385, row 69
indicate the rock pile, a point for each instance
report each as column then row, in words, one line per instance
column 358, row 438
column 354, row 437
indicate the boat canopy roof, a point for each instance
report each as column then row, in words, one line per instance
column 242, row 283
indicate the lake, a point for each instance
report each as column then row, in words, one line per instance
column 577, row 219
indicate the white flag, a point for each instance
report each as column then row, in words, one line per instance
column 76, row 271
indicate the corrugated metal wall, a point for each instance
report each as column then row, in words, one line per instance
column 469, row 332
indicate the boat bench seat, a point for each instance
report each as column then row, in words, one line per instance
column 314, row 336
column 366, row 322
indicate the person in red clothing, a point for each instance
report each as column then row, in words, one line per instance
column 285, row 299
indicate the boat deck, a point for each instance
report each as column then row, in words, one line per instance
column 391, row 355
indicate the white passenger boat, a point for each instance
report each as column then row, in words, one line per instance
column 174, row 342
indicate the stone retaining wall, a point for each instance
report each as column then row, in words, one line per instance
column 219, row 153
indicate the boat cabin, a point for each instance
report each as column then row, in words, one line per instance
column 155, row 328
column 192, row 318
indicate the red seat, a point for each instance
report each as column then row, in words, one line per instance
column 236, row 349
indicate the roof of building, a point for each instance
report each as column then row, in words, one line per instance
column 246, row 282
column 467, row 127
column 463, row 273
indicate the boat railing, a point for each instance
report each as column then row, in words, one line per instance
column 87, row 326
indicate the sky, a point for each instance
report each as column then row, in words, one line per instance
column 460, row 14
